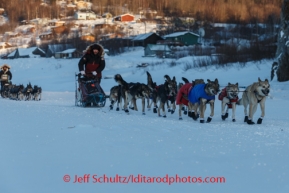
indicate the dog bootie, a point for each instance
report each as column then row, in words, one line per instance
column 190, row 114
column 209, row 119
column 225, row 116
column 246, row 119
column 250, row 122
column 155, row 110
column 110, row 107
column 126, row 110
column 234, row 120
column 117, row 109
column 169, row 110
column 185, row 112
column 259, row 121
column 180, row 118
column 172, row 111
column 194, row 116
column 202, row 121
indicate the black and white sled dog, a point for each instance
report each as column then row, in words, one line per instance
column 28, row 92
column 36, row 93
column 16, row 92
column 130, row 92
column 163, row 93
column 254, row 94
column 229, row 98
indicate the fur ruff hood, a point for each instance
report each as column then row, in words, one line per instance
column 5, row 65
column 95, row 46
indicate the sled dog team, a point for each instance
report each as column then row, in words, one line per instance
column 191, row 97
column 20, row 92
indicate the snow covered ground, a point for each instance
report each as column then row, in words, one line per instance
column 42, row 141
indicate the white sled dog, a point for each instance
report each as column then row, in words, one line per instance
column 254, row 94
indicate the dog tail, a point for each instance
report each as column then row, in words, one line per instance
column 185, row 80
column 118, row 79
column 150, row 82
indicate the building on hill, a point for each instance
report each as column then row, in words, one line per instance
column 69, row 53
column 84, row 15
column 145, row 39
column 124, row 18
column 185, row 37
column 32, row 52
column 54, row 48
column 5, row 45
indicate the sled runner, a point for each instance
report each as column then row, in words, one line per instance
column 88, row 92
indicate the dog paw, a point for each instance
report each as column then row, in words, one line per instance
column 110, row 107
column 234, row 120
column 224, row 117
column 250, row 122
column 126, row 110
column 190, row 114
column 259, row 121
column 202, row 121
column 246, row 119
column 143, row 113
column 180, row 118
column 194, row 116
column 117, row 109
column 227, row 115
column 209, row 119
column 169, row 110
column 172, row 111
column 155, row 110
column 164, row 116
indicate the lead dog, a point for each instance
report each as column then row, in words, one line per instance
column 229, row 98
column 254, row 94
column 202, row 94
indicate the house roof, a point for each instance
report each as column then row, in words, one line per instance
column 176, row 34
column 23, row 52
column 4, row 44
column 68, row 51
column 142, row 36
column 59, row 47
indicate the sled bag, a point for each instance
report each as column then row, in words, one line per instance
column 4, row 77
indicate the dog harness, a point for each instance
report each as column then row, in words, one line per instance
column 258, row 100
column 198, row 92
column 225, row 94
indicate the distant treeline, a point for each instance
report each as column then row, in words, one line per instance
column 203, row 10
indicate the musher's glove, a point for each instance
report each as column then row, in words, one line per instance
column 94, row 73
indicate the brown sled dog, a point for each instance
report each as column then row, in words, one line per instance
column 254, row 94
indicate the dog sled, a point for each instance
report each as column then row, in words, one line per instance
column 88, row 92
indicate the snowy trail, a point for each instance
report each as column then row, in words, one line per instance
column 51, row 138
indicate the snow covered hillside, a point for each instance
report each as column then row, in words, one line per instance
column 42, row 142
